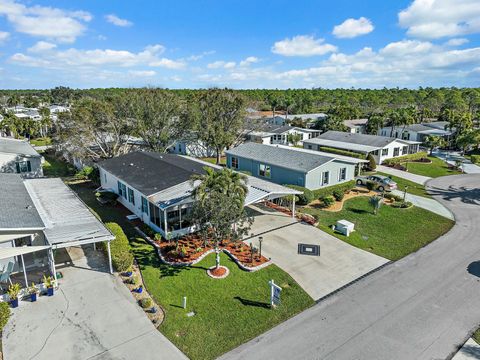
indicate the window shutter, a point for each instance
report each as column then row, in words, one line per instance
column 29, row 166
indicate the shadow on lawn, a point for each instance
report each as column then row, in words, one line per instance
column 247, row 302
column 359, row 211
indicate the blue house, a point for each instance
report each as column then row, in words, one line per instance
column 287, row 165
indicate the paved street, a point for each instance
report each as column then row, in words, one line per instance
column 91, row 316
column 421, row 307
column 451, row 156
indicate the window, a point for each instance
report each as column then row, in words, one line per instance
column 375, row 152
column 325, row 178
column 385, row 152
column 396, row 151
column 131, row 197
column 122, row 189
column 342, row 175
column 405, row 150
column 309, row 147
column 234, row 162
column 23, row 166
column 144, row 206
column 264, row 170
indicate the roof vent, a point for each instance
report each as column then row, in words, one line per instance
column 28, row 207
column 131, row 164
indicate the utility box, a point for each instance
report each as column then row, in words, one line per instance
column 344, row 227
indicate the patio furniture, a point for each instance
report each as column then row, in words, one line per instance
column 5, row 276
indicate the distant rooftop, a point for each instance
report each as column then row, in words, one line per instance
column 14, row 146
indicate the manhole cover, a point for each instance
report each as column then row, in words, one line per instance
column 306, row 249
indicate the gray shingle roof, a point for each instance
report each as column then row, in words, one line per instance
column 17, row 208
column 13, row 146
column 278, row 156
column 361, row 139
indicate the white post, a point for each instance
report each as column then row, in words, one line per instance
column 184, row 302
column 54, row 271
column 293, row 207
column 94, row 247
column 165, row 222
column 109, row 257
column 24, row 272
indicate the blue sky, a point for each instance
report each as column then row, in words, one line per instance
column 239, row 44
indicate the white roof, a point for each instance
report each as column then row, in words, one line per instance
column 323, row 153
column 342, row 145
column 8, row 252
column 66, row 217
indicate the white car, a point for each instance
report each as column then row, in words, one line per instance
column 383, row 183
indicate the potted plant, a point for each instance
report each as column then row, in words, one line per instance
column 49, row 282
column 139, row 289
column 13, row 291
column 33, row 291
column 129, row 272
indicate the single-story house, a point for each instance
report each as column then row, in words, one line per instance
column 356, row 126
column 42, row 215
column 18, row 156
column 381, row 147
column 278, row 134
column 158, row 188
column 418, row 132
column 286, row 165
column 192, row 147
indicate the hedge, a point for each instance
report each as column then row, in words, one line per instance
column 328, row 191
column 303, row 199
column 341, row 152
column 4, row 314
column 475, row 159
column 122, row 257
column 405, row 158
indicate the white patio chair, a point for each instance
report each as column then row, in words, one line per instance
column 5, row 276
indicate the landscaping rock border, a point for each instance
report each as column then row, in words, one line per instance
column 227, row 272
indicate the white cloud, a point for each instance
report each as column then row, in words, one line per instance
column 47, row 22
column 142, row 73
column 351, row 28
column 406, row 47
column 4, row 36
column 456, row 42
column 41, row 46
column 222, row 64
column 302, row 45
column 249, row 60
column 115, row 20
column 168, row 63
column 433, row 19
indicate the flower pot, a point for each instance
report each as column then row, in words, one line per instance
column 153, row 310
column 139, row 289
column 127, row 273
column 14, row 303
column 33, row 297
column 50, row 291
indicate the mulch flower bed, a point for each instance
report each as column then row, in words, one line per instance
column 309, row 219
column 218, row 273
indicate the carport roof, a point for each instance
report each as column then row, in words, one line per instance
column 67, row 219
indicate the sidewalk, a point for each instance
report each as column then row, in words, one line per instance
column 427, row 204
column 451, row 156
column 469, row 351
column 419, row 179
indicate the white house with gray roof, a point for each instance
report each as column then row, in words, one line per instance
column 418, row 132
column 380, row 147
column 286, row 165
column 278, row 134
column 18, row 156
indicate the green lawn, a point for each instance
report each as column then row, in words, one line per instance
column 41, row 141
column 213, row 160
column 437, row 168
column 229, row 312
column 413, row 188
column 54, row 167
column 392, row 233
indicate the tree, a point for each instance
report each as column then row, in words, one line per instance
column 467, row 138
column 46, row 121
column 62, row 95
column 372, row 164
column 273, row 100
column 433, row 142
column 294, row 138
column 376, row 202
column 156, row 117
column 218, row 210
column 332, row 122
column 219, row 117
column 93, row 129
column 375, row 122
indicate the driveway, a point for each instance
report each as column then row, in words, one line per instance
column 91, row 316
column 338, row 264
column 419, row 179
column 427, row 204
column 451, row 156
column 423, row 306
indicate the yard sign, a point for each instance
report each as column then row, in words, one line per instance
column 275, row 291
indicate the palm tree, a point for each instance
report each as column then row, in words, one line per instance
column 375, row 201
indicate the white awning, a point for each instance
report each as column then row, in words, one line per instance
column 10, row 237
column 6, row 253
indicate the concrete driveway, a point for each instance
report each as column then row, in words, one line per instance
column 338, row 264
column 91, row 316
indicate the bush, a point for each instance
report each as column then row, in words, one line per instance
column 475, row 159
column 328, row 201
column 341, row 152
column 393, row 197
column 338, row 194
column 402, row 205
column 405, row 158
column 372, row 164
column 122, row 258
column 371, row 185
column 4, row 314
column 327, row 191
column 146, row 303
column 303, row 199
column 89, row 173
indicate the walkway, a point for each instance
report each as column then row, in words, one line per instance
column 451, row 156
column 427, row 204
column 419, row 179
column 469, row 351
column 91, row 316
column 420, row 307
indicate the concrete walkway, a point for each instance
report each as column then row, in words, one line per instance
column 91, row 316
column 419, row 179
column 427, row 204
column 469, row 351
column 452, row 156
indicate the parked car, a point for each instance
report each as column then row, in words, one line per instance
column 382, row 182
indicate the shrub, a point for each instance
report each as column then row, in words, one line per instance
column 328, row 201
column 327, row 191
column 303, row 199
column 341, row 152
column 338, row 194
column 372, row 164
column 146, row 303
column 402, row 205
column 4, row 314
column 405, row 158
column 122, row 258
column 371, row 185
column 393, row 197
column 475, row 159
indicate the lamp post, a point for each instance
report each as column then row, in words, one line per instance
column 260, row 239
column 251, row 252
column 405, row 193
